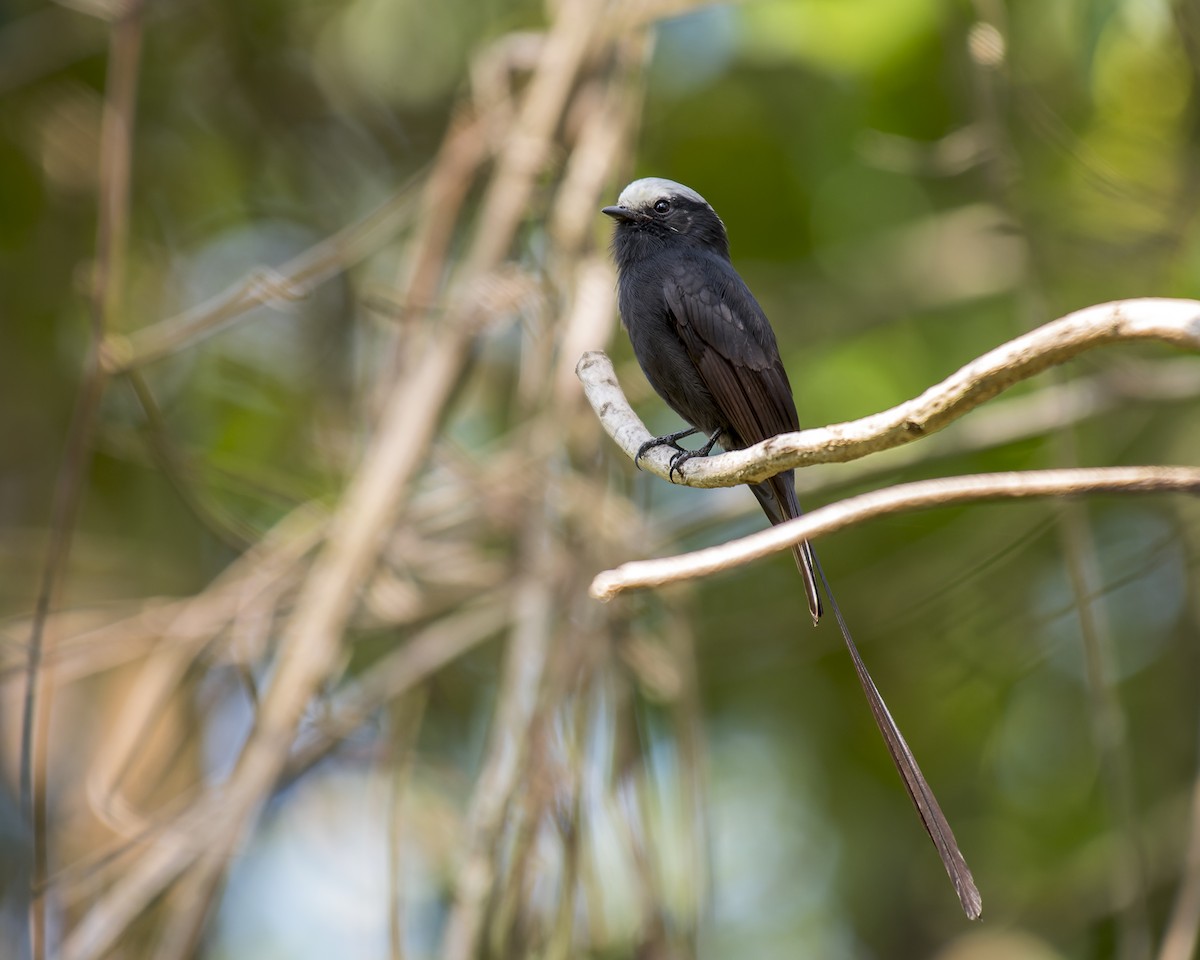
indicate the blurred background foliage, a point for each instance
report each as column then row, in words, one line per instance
column 906, row 184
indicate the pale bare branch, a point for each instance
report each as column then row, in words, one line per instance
column 1176, row 322
column 902, row 498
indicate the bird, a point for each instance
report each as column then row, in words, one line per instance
column 707, row 348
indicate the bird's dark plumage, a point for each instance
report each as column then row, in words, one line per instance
column 701, row 338
column 708, row 350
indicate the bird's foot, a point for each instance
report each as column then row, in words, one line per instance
column 669, row 440
column 683, row 456
column 679, row 459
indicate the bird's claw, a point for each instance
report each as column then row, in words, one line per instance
column 681, row 454
column 677, row 462
column 650, row 445
column 667, row 440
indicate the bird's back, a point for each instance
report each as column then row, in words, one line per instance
column 728, row 339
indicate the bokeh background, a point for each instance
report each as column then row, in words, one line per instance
column 291, row 294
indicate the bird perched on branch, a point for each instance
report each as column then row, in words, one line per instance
column 709, row 351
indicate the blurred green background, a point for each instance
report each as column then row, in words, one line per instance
column 906, row 184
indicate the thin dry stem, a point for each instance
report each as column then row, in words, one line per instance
column 517, row 706
column 1180, row 939
column 406, row 717
column 1129, row 883
column 425, row 653
column 116, row 152
column 526, row 148
column 901, row 498
column 291, row 281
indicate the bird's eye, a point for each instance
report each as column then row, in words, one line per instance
column 662, row 206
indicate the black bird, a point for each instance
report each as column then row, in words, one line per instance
column 701, row 338
column 709, row 351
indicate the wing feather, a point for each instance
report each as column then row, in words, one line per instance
column 728, row 338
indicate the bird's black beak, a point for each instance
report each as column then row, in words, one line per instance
column 618, row 213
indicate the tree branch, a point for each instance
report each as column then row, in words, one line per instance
column 112, row 226
column 898, row 499
column 1176, row 322
column 292, row 281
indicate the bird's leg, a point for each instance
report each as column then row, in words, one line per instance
column 670, row 440
column 683, row 456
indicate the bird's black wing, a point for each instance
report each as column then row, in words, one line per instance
column 728, row 338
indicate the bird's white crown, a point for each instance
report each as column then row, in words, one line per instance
column 642, row 193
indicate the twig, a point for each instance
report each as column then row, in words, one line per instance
column 179, row 843
column 1128, row 881
column 1176, row 322
column 227, row 528
column 116, row 150
column 902, row 498
column 292, row 281
column 399, row 673
column 463, row 149
column 1179, row 940
column 407, row 715
column 36, row 704
column 528, row 144
column 517, row 701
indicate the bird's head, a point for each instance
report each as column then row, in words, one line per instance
column 660, row 210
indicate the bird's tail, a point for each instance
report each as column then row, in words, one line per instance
column 777, row 497
column 934, row 821
column 919, row 791
column 806, row 562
